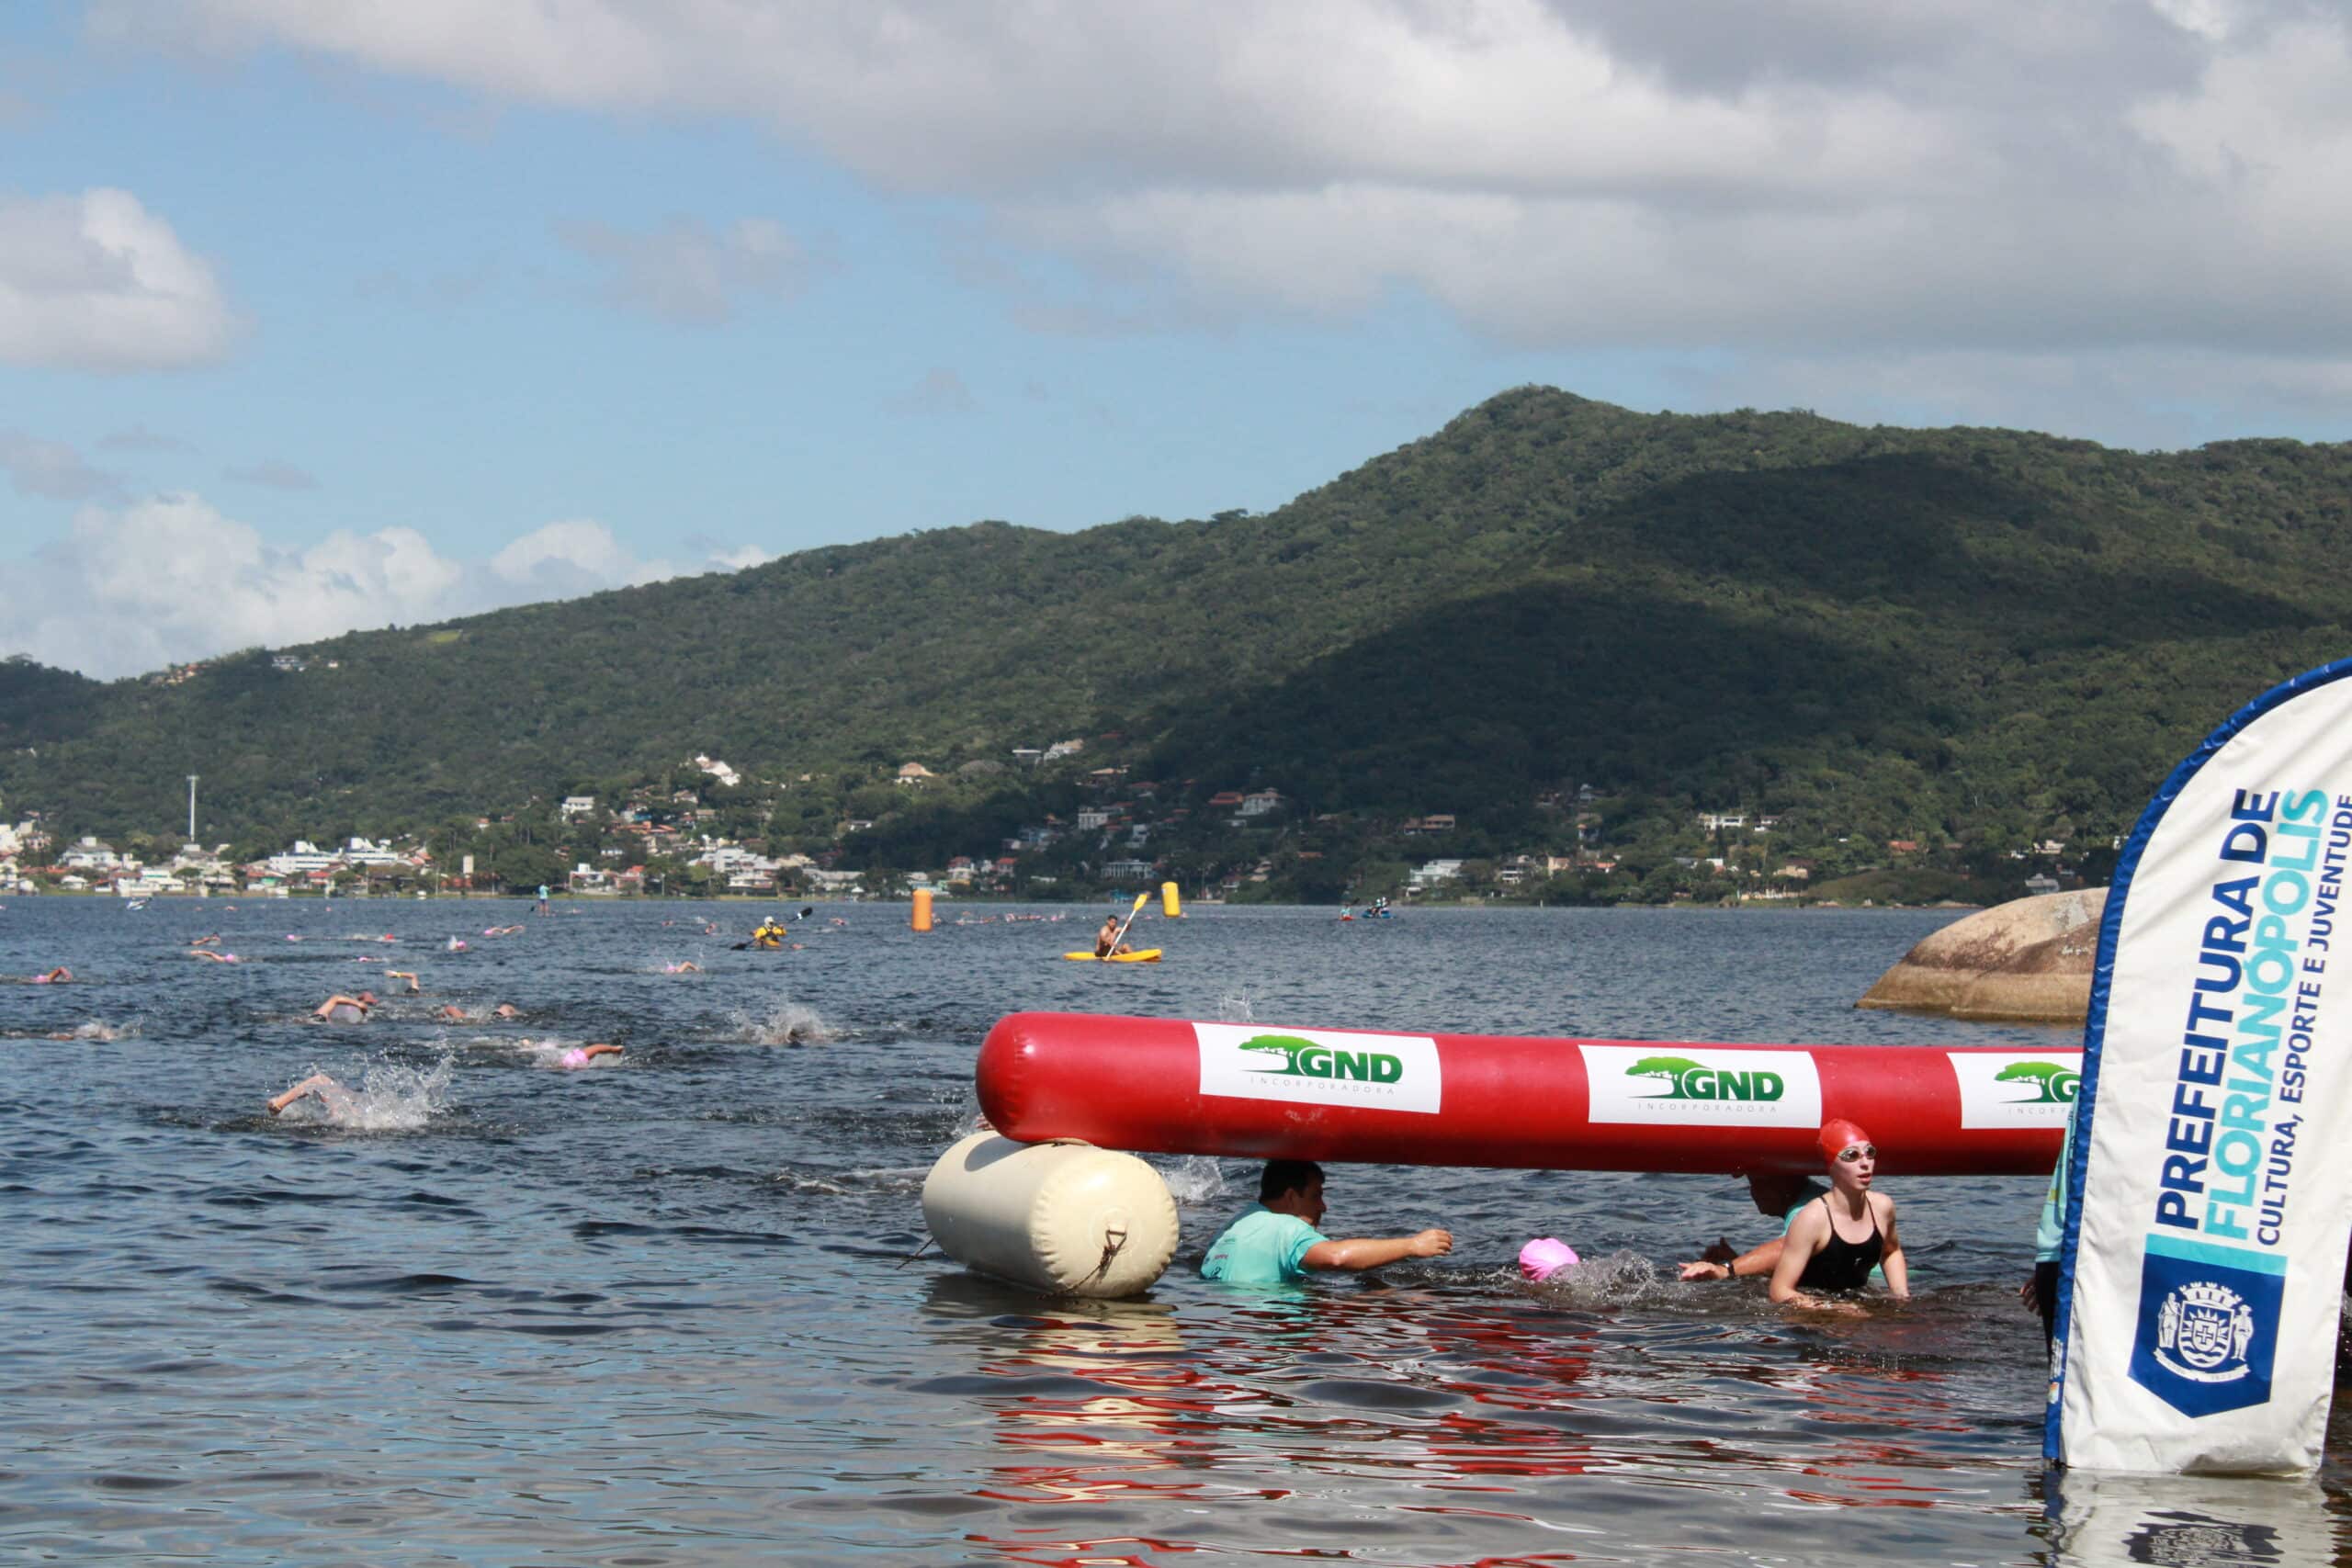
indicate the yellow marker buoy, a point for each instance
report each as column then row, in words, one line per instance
column 922, row 921
column 1170, row 908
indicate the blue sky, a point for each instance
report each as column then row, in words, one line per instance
column 317, row 313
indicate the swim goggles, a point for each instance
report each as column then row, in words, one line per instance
column 1853, row 1152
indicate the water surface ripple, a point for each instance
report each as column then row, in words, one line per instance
column 662, row 1311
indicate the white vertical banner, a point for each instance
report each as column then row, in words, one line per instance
column 2211, row 1197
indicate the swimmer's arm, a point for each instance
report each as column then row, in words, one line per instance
column 1803, row 1239
column 1359, row 1253
column 1896, row 1267
column 1756, row 1261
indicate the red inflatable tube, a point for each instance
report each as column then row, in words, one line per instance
column 1262, row 1091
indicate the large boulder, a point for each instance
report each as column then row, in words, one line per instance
column 2028, row 960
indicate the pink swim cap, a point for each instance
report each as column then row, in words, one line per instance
column 574, row 1058
column 1544, row 1257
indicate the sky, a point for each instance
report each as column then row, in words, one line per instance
column 318, row 314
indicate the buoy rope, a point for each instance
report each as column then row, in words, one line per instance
column 1111, row 1242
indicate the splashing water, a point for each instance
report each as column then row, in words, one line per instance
column 1611, row 1280
column 1235, row 1007
column 389, row 1099
column 787, row 1024
column 1193, row 1180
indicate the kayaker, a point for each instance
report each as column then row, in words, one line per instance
column 1106, row 940
column 1275, row 1240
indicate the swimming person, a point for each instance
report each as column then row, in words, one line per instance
column 576, row 1057
column 340, row 1008
column 407, row 974
column 337, row 1101
column 1544, row 1257
column 688, row 967
column 1833, row 1242
column 57, row 976
column 1778, row 1192
column 212, row 958
column 1275, row 1240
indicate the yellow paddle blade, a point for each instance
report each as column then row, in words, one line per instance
column 1141, row 899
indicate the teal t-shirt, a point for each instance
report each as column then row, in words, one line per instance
column 2050, row 1234
column 1260, row 1247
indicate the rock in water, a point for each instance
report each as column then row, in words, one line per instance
column 2028, row 960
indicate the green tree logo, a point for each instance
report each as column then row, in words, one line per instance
column 1287, row 1046
column 1306, row 1059
column 1675, row 1070
column 1687, row 1079
column 2053, row 1083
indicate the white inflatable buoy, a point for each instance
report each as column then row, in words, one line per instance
column 1065, row 1216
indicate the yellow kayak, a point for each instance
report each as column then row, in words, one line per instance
column 1141, row 955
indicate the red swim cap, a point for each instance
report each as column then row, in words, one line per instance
column 1838, row 1135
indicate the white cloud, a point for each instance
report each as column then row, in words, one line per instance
column 1943, row 176
column 139, row 438
column 689, row 274
column 274, row 474
column 51, row 468
column 134, row 587
column 96, row 282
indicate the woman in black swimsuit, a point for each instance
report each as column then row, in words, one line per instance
column 1835, row 1242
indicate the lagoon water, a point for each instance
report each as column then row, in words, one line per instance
column 663, row 1312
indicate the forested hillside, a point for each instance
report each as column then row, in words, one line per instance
column 1963, row 633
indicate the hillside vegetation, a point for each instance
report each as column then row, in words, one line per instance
column 1975, row 635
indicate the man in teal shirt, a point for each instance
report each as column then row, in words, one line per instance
column 2041, row 1292
column 1276, row 1239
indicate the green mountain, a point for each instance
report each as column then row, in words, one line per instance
column 1982, row 633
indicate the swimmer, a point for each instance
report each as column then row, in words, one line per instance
column 1544, row 1257
column 213, row 941
column 407, row 975
column 688, row 968
column 336, row 1100
column 57, row 976
column 578, row 1056
column 1780, row 1193
column 506, row 1009
column 1276, row 1240
column 453, row 1012
column 212, row 958
column 1821, row 1253
column 340, row 1008
column 457, row 945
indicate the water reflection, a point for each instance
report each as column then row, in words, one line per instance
column 2185, row 1521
